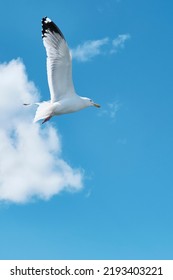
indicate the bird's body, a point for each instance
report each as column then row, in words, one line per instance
column 63, row 99
column 48, row 109
column 66, row 105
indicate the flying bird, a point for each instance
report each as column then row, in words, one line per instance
column 63, row 98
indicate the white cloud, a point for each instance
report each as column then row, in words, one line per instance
column 88, row 49
column 92, row 48
column 113, row 109
column 110, row 110
column 119, row 41
column 31, row 164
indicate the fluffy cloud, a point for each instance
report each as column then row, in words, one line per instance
column 31, row 164
column 88, row 49
column 92, row 48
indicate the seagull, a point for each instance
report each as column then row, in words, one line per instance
column 63, row 98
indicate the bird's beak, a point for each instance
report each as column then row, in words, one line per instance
column 96, row 105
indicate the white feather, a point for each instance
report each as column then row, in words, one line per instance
column 44, row 110
column 59, row 65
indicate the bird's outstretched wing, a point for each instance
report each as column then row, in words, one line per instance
column 59, row 66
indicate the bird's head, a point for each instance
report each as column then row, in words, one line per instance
column 89, row 102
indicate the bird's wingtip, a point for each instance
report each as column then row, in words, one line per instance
column 49, row 26
column 45, row 19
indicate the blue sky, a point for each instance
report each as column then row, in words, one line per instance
column 119, row 157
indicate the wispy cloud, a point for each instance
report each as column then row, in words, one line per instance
column 31, row 164
column 110, row 110
column 92, row 48
column 119, row 42
column 89, row 49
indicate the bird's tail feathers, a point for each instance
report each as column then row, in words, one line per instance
column 44, row 110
